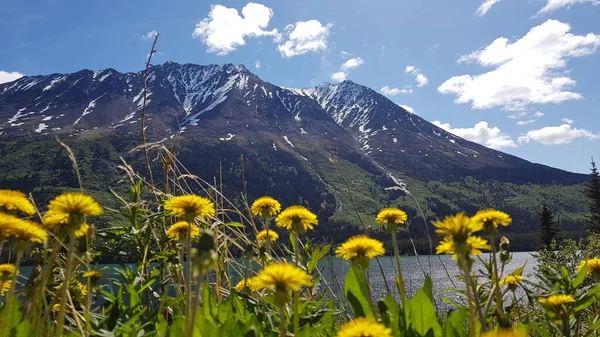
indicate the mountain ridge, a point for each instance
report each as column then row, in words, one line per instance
column 185, row 92
column 343, row 149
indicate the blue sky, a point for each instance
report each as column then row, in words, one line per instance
column 521, row 77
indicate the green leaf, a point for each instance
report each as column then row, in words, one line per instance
column 428, row 287
column 317, row 255
column 423, row 316
column 391, row 315
column 580, row 276
column 456, row 323
column 232, row 224
column 357, row 292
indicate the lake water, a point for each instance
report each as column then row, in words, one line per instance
column 413, row 270
column 439, row 267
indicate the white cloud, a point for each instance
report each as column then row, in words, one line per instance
column 304, row 37
column 529, row 121
column 9, row 77
column 257, row 64
column 485, row 7
column 481, row 133
column 344, row 54
column 352, row 63
column 388, row 91
column 538, row 114
column 150, row 35
column 382, row 51
column 517, row 115
column 527, row 71
column 346, row 67
column 552, row 5
column 225, row 30
column 340, row 76
column 557, row 135
column 567, row 121
column 421, row 79
column 407, row 108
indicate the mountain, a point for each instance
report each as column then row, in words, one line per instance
column 225, row 111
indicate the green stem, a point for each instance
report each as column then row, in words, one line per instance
column 11, row 294
column 467, row 274
column 296, row 295
column 370, row 296
column 190, row 322
column 188, row 277
column 499, row 301
column 282, row 331
column 65, row 286
column 47, row 271
column 400, row 280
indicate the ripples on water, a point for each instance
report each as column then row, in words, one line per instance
column 437, row 266
column 413, row 268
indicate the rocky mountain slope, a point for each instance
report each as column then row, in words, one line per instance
column 228, row 107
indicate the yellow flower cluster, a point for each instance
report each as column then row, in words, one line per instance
column 280, row 277
column 360, row 247
column 190, row 206
column 11, row 201
column 265, row 207
column 244, row 284
column 23, row 231
column 490, row 219
column 592, row 264
column 363, row 327
column 93, row 275
column 262, row 236
column 458, row 232
column 391, row 218
column 179, row 231
column 557, row 300
column 66, row 214
column 297, row 219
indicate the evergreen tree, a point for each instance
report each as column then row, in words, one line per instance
column 593, row 193
column 547, row 231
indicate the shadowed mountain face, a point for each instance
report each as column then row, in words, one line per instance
column 227, row 103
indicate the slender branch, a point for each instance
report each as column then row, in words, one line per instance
column 143, row 117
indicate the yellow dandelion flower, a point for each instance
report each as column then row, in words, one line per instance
column 7, row 271
column 506, row 333
column 511, row 281
column 265, row 207
column 391, row 218
column 179, row 231
column 7, row 221
column 93, row 275
column 58, row 223
column 363, row 327
column 5, row 287
column 458, row 226
column 56, row 307
column 360, row 247
column 281, row 277
column 490, row 219
column 261, row 237
column 14, row 200
column 244, row 284
column 297, row 219
column 473, row 245
column 593, row 265
column 74, row 203
column 80, row 290
column 25, row 232
column 557, row 300
column 190, row 206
